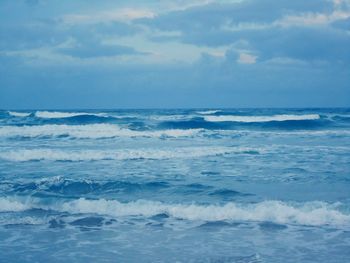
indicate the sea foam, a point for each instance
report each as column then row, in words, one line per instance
column 208, row 112
column 93, row 131
column 7, row 205
column 19, row 114
column 308, row 213
column 59, row 114
column 124, row 154
column 248, row 119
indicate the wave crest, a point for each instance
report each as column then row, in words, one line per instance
column 249, row 119
column 309, row 213
column 19, row 114
column 208, row 112
column 59, row 114
column 93, row 131
column 7, row 205
column 125, row 154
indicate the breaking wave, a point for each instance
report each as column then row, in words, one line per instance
column 208, row 112
column 93, row 131
column 309, row 213
column 19, row 114
column 69, row 187
column 124, row 154
column 58, row 114
column 248, row 119
column 235, row 122
column 7, row 205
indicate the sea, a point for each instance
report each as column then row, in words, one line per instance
column 175, row 185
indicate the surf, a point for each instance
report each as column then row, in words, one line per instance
column 255, row 119
column 92, row 131
column 307, row 214
column 26, row 155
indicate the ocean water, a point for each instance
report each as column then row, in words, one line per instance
column 209, row 185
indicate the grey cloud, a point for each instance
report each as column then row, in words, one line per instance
column 213, row 16
column 210, row 26
column 95, row 49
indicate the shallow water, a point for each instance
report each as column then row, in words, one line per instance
column 208, row 185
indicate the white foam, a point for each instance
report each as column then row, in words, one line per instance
column 19, row 114
column 170, row 117
column 7, row 205
column 306, row 133
column 58, row 114
column 309, row 213
column 26, row 220
column 283, row 117
column 124, row 154
column 93, row 131
column 208, row 112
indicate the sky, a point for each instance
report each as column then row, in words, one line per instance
column 63, row 54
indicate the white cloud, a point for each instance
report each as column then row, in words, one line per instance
column 245, row 58
column 310, row 19
column 148, row 10
column 124, row 14
column 305, row 19
column 166, row 52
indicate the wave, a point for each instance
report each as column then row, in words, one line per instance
column 233, row 122
column 93, row 131
column 69, row 187
column 19, row 114
column 208, row 112
column 309, row 213
column 340, row 118
column 124, row 154
column 59, row 114
column 171, row 130
column 7, row 205
column 249, row 119
column 170, row 117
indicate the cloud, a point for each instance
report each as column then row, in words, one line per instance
column 213, row 16
column 245, row 58
column 95, row 49
column 174, row 53
column 123, row 15
column 297, row 30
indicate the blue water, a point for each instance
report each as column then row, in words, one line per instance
column 223, row 185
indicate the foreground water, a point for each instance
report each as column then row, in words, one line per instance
column 175, row 186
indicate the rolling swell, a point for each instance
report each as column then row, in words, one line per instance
column 284, row 122
column 82, row 118
column 308, row 213
column 92, row 131
column 69, row 187
column 27, row 155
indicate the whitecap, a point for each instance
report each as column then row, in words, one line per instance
column 59, row 114
column 248, row 119
column 170, row 117
column 19, row 114
column 308, row 213
column 8, row 205
column 93, row 131
column 123, row 154
column 208, row 112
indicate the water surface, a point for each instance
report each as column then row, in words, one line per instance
column 208, row 185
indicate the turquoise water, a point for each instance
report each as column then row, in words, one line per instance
column 209, row 185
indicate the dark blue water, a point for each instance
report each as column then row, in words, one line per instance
column 224, row 185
